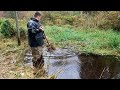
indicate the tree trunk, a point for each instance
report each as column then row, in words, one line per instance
column 18, row 31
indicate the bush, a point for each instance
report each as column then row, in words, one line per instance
column 0, row 22
column 101, row 19
column 108, row 20
column 7, row 29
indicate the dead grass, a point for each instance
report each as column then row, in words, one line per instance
column 11, row 60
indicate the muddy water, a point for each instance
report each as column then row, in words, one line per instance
column 67, row 65
column 99, row 67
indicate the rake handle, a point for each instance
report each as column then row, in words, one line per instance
column 46, row 39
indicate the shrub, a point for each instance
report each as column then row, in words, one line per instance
column 108, row 20
column 7, row 29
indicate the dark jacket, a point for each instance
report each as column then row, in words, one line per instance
column 35, row 35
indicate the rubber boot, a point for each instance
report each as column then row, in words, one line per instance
column 39, row 67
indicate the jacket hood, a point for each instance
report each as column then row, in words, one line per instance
column 34, row 19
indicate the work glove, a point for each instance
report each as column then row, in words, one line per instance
column 41, row 28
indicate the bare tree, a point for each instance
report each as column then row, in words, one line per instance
column 17, row 26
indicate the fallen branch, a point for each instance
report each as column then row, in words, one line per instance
column 102, row 72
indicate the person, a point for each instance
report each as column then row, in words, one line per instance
column 36, row 41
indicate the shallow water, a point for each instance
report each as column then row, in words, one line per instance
column 67, row 65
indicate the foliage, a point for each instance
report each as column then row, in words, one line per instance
column 7, row 29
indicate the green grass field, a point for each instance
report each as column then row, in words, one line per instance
column 88, row 40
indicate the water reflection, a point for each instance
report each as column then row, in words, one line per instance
column 98, row 67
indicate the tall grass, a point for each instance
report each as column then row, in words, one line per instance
column 91, row 40
column 101, row 19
